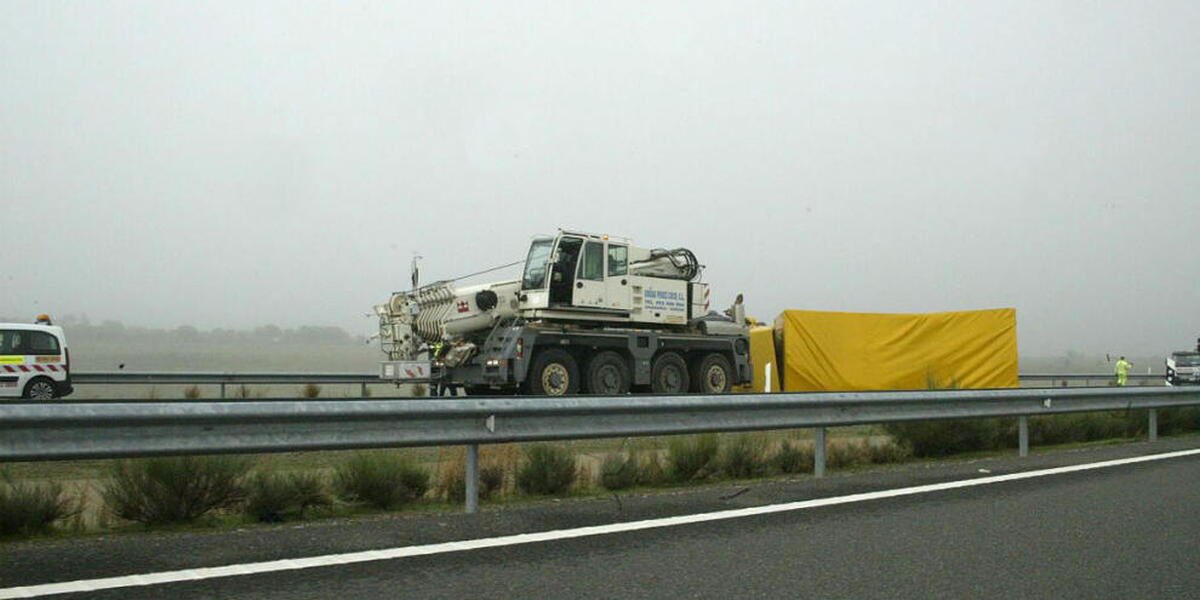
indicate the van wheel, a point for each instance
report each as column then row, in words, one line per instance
column 40, row 388
column 712, row 375
column 553, row 373
column 669, row 374
column 607, row 374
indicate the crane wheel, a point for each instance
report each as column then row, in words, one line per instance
column 669, row 374
column 608, row 374
column 554, row 372
column 712, row 375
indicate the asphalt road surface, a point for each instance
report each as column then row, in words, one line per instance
column 1124, row 531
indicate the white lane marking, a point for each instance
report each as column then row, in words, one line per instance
column 289, row 564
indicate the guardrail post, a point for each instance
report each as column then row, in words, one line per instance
column 472, row 478
column 363, row 390
column 222, row 391
column 819, row 453
column 1023, row 434
column 1153, row 425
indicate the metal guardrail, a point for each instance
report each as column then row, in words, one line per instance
column 223, row 379
column 130, row 377
column 102, row 429
column 363, row 379
column 1159, row 378
column 165, row 377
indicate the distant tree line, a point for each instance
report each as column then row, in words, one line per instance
column 80, row 329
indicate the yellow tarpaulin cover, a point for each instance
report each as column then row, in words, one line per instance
column 762, row 353
column 837, row 351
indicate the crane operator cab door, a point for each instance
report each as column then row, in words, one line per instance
column 617, row 290
column 583, row 273
column 589, row 277
column 602, row 278
column 562, row 271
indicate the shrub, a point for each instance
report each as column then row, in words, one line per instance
column 491, row 480
column 864, row 452
column 692, row 457
column 888, row 452
column 453, row 484
column 650, row 469
column 174, row 490
column 547, row 469
column 310, row 390
column 192, row 392
column 584, row 477
column 839, row 455
column 381, row 480
column 942, row 438
column 504, row 461
column 1175, row 420
column 1083, row 427
column 418, row 390
column 29, row 509
column 793, row 457
column 274, row 497
column 619, row 471
column 744, row 456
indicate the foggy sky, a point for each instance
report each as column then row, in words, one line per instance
column 234, row 164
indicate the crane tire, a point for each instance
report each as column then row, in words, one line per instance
column 608, row 374
column 554, row 372
column 669, row 374
column 712, row 375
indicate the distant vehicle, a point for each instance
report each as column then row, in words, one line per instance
column 1183, row 367
column 34, row 361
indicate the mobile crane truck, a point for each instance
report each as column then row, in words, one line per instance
column 590, row 314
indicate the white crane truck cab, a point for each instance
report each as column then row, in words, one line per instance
column 34, row 361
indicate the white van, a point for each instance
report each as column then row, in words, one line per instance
column 34, row 362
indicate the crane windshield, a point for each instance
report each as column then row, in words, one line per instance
column 535, row 264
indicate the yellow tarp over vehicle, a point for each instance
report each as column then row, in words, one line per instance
column 837, row 351
column 762, row 353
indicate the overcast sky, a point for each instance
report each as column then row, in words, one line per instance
column 240, row 163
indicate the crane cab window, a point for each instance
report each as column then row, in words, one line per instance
column 592, row 265
column 536, row 263
column 618, row 260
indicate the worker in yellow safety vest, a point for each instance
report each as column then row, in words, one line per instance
column 1122, row 370
column 440, row 387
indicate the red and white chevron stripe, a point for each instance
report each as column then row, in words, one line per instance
column 31, row 368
